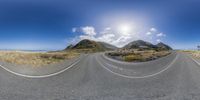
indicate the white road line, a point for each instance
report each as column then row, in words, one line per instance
column 40, row 76
column 116, row 67
column 198, row 63
column 132, row 77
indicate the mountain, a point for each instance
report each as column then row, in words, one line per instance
column 107, row 46
column 69, row 47
column 93, row 46
column 163, row 46
column 139, row 44
column 90, row 45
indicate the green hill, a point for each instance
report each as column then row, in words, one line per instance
column 140, row 44
column 91, row 46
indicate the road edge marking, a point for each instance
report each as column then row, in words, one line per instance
column 42, row 76
column 197, row 62
column 132, row 77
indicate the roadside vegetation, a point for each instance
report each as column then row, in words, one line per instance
column 194, row 53
column 35, row 59
column 135, row 55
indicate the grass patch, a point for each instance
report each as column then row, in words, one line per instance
column 138, row 55
column 194, row 53
column 131, row 57
column 35, row 59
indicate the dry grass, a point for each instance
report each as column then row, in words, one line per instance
column 139, row 56
column 194, row 53
column 35, row 59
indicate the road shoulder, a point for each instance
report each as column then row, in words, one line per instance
column 40, row 72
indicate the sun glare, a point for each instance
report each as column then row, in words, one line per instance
column 124, row 29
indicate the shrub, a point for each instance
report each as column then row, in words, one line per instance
column 130, row 58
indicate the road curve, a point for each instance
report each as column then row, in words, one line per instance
column 40, row 71
column 89, row 80
column 137, row 70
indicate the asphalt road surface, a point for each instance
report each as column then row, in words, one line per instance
column 96, row 77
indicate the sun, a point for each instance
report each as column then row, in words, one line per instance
column 124, row 29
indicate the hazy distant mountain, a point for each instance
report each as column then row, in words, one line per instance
column 163, row 46
column 91, row 45
column 139, row 44
column 107, row 46
column 69, row 47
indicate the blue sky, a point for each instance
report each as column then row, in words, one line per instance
column 54, row 24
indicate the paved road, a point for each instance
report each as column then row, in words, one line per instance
column 176, row 77
column 40, row 71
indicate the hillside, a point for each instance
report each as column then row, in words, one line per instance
column 107, row 46
column 91, row 46
column 163, row 46
column 139, row 44
column 69, row 47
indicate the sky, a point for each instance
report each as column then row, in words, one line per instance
column 54, row 24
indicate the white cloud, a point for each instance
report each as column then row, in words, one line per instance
column 106, row 31
column 74, row 30
column 108, row 37
column 154, row 35
column 158, row 40
column 108, row 28
column 148, row 33
column 73, row 40
column 88, row 30
column 160, row 35
column 153, row 30
column 122, row 40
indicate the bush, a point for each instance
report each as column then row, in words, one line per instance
column 130, row 58
column 58, row 57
